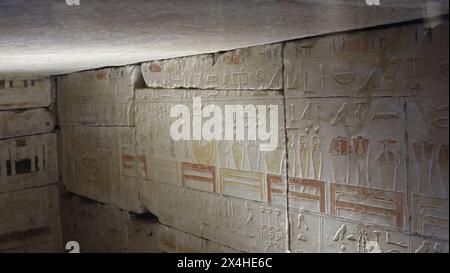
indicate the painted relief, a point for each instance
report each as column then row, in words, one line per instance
column 21, row 94
column 344, row 141
column 368, row 205
column 427, row 128
column 253, row 68
column 232, row 168
column 28, row 162
column 98, row 97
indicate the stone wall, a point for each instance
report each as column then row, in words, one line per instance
column 29, row 196
column 361, row 163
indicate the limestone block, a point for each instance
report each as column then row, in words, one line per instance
column 239, row 168
column 96, row 227
column 427, row 128
column 28, row 162
column 428, row 245
column 29, row 217
column 382, row 62
column 98, row 97
column 305, row 231
column 100, row 163
column 354, row 237
column 253, row 68
column 176, row 241
column 28, row 122
column 355, row 150
column 243, row 225
column 20, row 94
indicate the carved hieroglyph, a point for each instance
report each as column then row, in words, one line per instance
column 21, row 94
column 100, row 163
column 353, row 237
column 28, row 122
column 253, row 68
column 344, row 141
column 28, row 162
column 98, row 97
column 427, row 128
column 237, row 223
column 232, row 168
column 29, row 217
column 386, row 62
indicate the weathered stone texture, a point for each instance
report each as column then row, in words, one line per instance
column 28, row 122
column 101, row 227
column 98, row 97
column 175, row 241
column 396, row 61
column 100, row 163
column 253, row 68
column 21, row 94
column 29, row 217
column 241, row 224
column 28, row 162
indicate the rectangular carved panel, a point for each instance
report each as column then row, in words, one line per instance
column 27, row 162
column 368, row 205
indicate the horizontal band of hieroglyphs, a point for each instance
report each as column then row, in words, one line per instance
column 98, row 97
column 253, row 68
column 21, row 94
column 398, row 61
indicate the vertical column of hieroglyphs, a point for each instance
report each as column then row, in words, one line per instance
column 227, row 192
column 356, row 104
column 96, row 115
column 29, row 208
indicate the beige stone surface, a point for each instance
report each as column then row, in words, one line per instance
column 98, row 97
column 16, row 94
column 253, row 68
column 427, row 128
column 28, row 122
column 395, row 61
column 29, row 217
column 342, row 160
column 27, row 162
column 172, row 240
column 233, row 168
column 241, row 224
column 100, row 163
